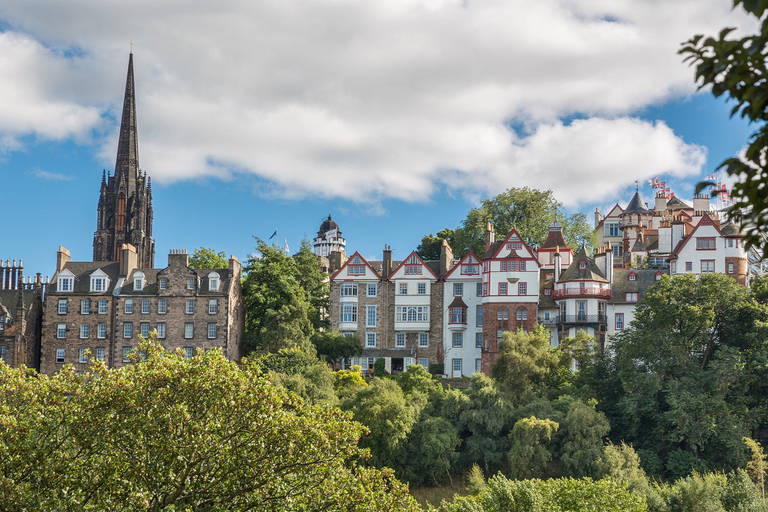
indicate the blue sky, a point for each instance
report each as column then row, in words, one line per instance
column 395, row 119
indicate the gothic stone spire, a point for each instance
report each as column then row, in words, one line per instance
column 127, row 164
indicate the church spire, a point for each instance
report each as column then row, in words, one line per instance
column 127, row 163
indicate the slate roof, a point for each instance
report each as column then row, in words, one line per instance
column 546, row 301
column 676, row 204
column 493, row 249
column 10, row 298
column 644, row 279
column 590, row 273
column 457, row 303
column 554, row 237
column 636, row 205
column 639, row 245
column 731, row 229
column 82, row 271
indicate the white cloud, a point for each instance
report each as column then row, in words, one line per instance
column 366, row 100
column 51, row 176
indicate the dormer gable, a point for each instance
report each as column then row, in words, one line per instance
column 138, row 280
column 214, row 279
column 413, row 267
column 515, row 247
column 99, row 281
column 468, row 267
column 357, row 268
column 65, row 281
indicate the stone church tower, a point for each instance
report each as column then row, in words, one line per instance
column 125, row 202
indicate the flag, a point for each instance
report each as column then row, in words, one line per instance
column 334, row 233
column 653, row 181
column 273, row 235
column 286, row 245
column 710, row 177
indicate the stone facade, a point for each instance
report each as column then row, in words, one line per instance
column 21, row 313
column 106, row 318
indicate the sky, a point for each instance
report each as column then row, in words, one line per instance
column 394, row 117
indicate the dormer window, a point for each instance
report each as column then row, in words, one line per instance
column 138, row 281
column 99, row 281
column 632, row 276
column 213, row 281
column 582, row 265
column 658, row 276
column 65, row 282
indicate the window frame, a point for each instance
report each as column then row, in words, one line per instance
column 212, row 328
column 457, row 340
column 61, row 355
column 368, row 337
column 128, row 330
column 128, row 307
column 368, row 316
column 189, row 330
column 63, row 310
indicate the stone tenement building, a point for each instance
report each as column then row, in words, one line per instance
column 125, row 200
column 99, row 309
column 455, row 311
column 21, row 314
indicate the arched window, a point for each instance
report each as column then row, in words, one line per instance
column 522, row 314
column 632, row 276
column 121, row 212
column 138, row 281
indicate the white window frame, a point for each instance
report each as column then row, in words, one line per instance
column 403, row 288
column 145, row 306
column 61, row 354
column 400, row 339
column 144, row 330
column 98, row 283
column 105, row 309
column 213, row 281
column 189, row 330
column 412, row 314
column 458, row 289
column 455, row 369
column 189, row 307
column 370, row 340
column 191, row 283
column 61, row 331
column 82, row 356
column 479, row 340
column 85, row 306
column 348, row 312
column 126, row 351
column 421, row 288
column 162, row 306
column 423, row 339
column 161, row 330
column 65, row 284
column 424, row 362
column 213, row 306
column 189, row 352
column 163, row 283
column 370, row 316
column 348, row 290
column 85, row 331
column 138, row 281
column 101, row 331
column 101, row 353
column 62, row 306
column 211, row 331
column 128, row 330
column 372, row 290
column 128, row 306
column 457, row 340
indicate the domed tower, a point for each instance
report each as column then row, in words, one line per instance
column 328, row 239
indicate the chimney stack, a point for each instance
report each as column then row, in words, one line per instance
column 490, row 236
column 129, row 260
column 446, row 258
column 178, row 258
column 386, row 263
column 62, row 258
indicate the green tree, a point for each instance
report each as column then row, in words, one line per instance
column 737, row 69
column 430, row 451
column 685, row 369
column 314, row 283
column 525, row 359
column 171, row 433
column 756, row 466
column 529, row 455
column 270, row 283
column 381, row 406
column 287, row 327
column 431, row 245
column 621, row 463
column 333, row 346
column 205, row 257
column 301, row 373
column 530, row 211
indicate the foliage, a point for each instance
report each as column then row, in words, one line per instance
column 528, row 453
column 380, row 367
column 530, row 211
column 482, row 416
column 333, row 346
column 437, row 368
column 476, row 480
column 280, row 289
column 287, row 327
column 756, row 466
column 417, row 380
column 556, row 495
column 348, row 381
column 381, row 406
column 525, row 359
column 685, row 370
column 171, row 433
column 737, row 68
column 621, row 463
column 713, row 492
column 301, row 373
column 431, row 245
column 205, row 257
column 430, row 451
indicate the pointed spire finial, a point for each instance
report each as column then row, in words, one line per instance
column 131, row 46
column 127, row 163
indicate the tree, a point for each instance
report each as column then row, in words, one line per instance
column 382, row 408
column 430, row 451
column 205, row 257
column 333, row 346
column 525, row 359
column 287, row 327
column 686, row 368
column 528, row 453
column 314, row 283
column 530, row 211
column 270, row 283
column 171, row 433
column 301, row 373
column 737, row 68
column 756, row 466
column 431, row 245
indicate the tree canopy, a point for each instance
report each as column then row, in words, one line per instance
column 528, row 210
column 736, row 68
column 170, row 433
column 205, row 257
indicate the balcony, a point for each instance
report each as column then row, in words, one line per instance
column 582, row 292
column 581, row 319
